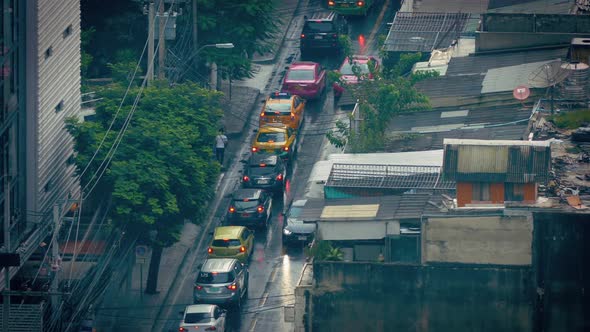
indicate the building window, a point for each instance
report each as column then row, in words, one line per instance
column 481, row 192
column 48, row 52
column 68, row 31
column 59, row 107
column 514, row 192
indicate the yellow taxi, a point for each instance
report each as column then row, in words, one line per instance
column 231, row 242
column 276, row 139
column 283, row 107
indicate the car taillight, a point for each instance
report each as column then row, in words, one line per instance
column 210, row 250
column 232, row 209
column 242, row 249
column 280, row 177
column 232, row 287
column 330, row 3
column 211, row 328
column 181, row 329
column 260, row 209
column 254, row 149
column 286, row 148
column 262, row 114
column 245, row 178
column 292, row 116
column 197, row 287
column 360, row 3
column 302, row 35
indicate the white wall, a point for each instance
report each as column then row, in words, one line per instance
column 357, row 230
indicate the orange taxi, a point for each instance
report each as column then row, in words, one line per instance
column 285, row 108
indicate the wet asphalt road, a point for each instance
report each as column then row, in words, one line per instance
column 274, row 270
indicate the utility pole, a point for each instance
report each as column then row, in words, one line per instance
column 213, row 84
column 161, row 40
column 195, row 27
column 7, row 247
column 55, row 263
column 150, row 59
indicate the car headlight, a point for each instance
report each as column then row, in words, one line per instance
column 287, row 232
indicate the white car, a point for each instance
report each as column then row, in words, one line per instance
column 203, row 317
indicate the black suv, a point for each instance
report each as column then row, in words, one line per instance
column 250, row 208
column 321, row 31
column 265, row 171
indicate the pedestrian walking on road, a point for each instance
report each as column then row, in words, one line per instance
column 220, row 144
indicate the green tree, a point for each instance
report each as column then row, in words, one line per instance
column 162, row 172
column 248, row 24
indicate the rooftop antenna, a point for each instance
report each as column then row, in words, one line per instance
column 548, row 76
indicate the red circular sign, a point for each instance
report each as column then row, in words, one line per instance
column 521, row 92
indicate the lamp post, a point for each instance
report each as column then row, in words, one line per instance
column 213, row 65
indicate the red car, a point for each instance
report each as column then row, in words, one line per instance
column 354, row 68
column 306, row 79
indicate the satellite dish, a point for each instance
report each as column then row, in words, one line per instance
column 521, row 92
column 548, row 75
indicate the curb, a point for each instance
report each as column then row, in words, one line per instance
column 275, row 53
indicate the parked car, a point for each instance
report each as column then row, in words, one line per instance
column 276, row 139
column 250, row 207
column 306, row 79
column 355, row 69
column 351, row 7
column 285, row 108
column 321, row 32
column 203, row 317
column 295, row 231
column 231, row 242
column 265, row 171
column 222, row 281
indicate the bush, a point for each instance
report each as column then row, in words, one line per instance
column 571, row 120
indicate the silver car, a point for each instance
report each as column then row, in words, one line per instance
column 203, row 317
column 295, row 231
column 222, row 281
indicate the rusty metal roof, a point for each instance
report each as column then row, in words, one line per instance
column 387, row 177
column 496, row 161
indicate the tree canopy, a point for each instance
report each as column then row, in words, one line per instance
column 162, row 171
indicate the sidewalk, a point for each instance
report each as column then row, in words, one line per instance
column 124, row 305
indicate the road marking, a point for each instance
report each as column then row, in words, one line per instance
column 265, row 294
column 377, row 23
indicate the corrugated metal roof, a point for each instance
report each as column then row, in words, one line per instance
column 442, row 86
column 399, row 207
column 531, row 6
column 507, row 78
column 423, row 32
column 387, row 176
column 451, row 6
column 526, row 161
column 480, row 64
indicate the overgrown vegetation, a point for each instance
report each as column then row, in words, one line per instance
column 324, row 251
column 571, row 120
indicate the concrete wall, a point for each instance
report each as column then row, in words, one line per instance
column 387, row 297
column 477, row 240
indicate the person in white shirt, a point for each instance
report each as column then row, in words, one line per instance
column 220, row 144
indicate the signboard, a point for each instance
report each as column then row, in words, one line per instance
column 141, row 251
column 521, row 92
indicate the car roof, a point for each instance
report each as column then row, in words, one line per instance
column 303, row 65
column 199, row 308
column 273, row 128
column 246, row 193
column 218, row 264
column 299, row 203
column 228, row 232
column 321, row 16
column 261, row 158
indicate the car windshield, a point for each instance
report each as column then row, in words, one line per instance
column 243, row 205
column 225, row 243
column 271, row 137
column 319, row 26
column 215, row 277
column 347, row 68
column 257, row 170
column 197, row 317
column 295, row 212
column 301, row 75
column 277, row 109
